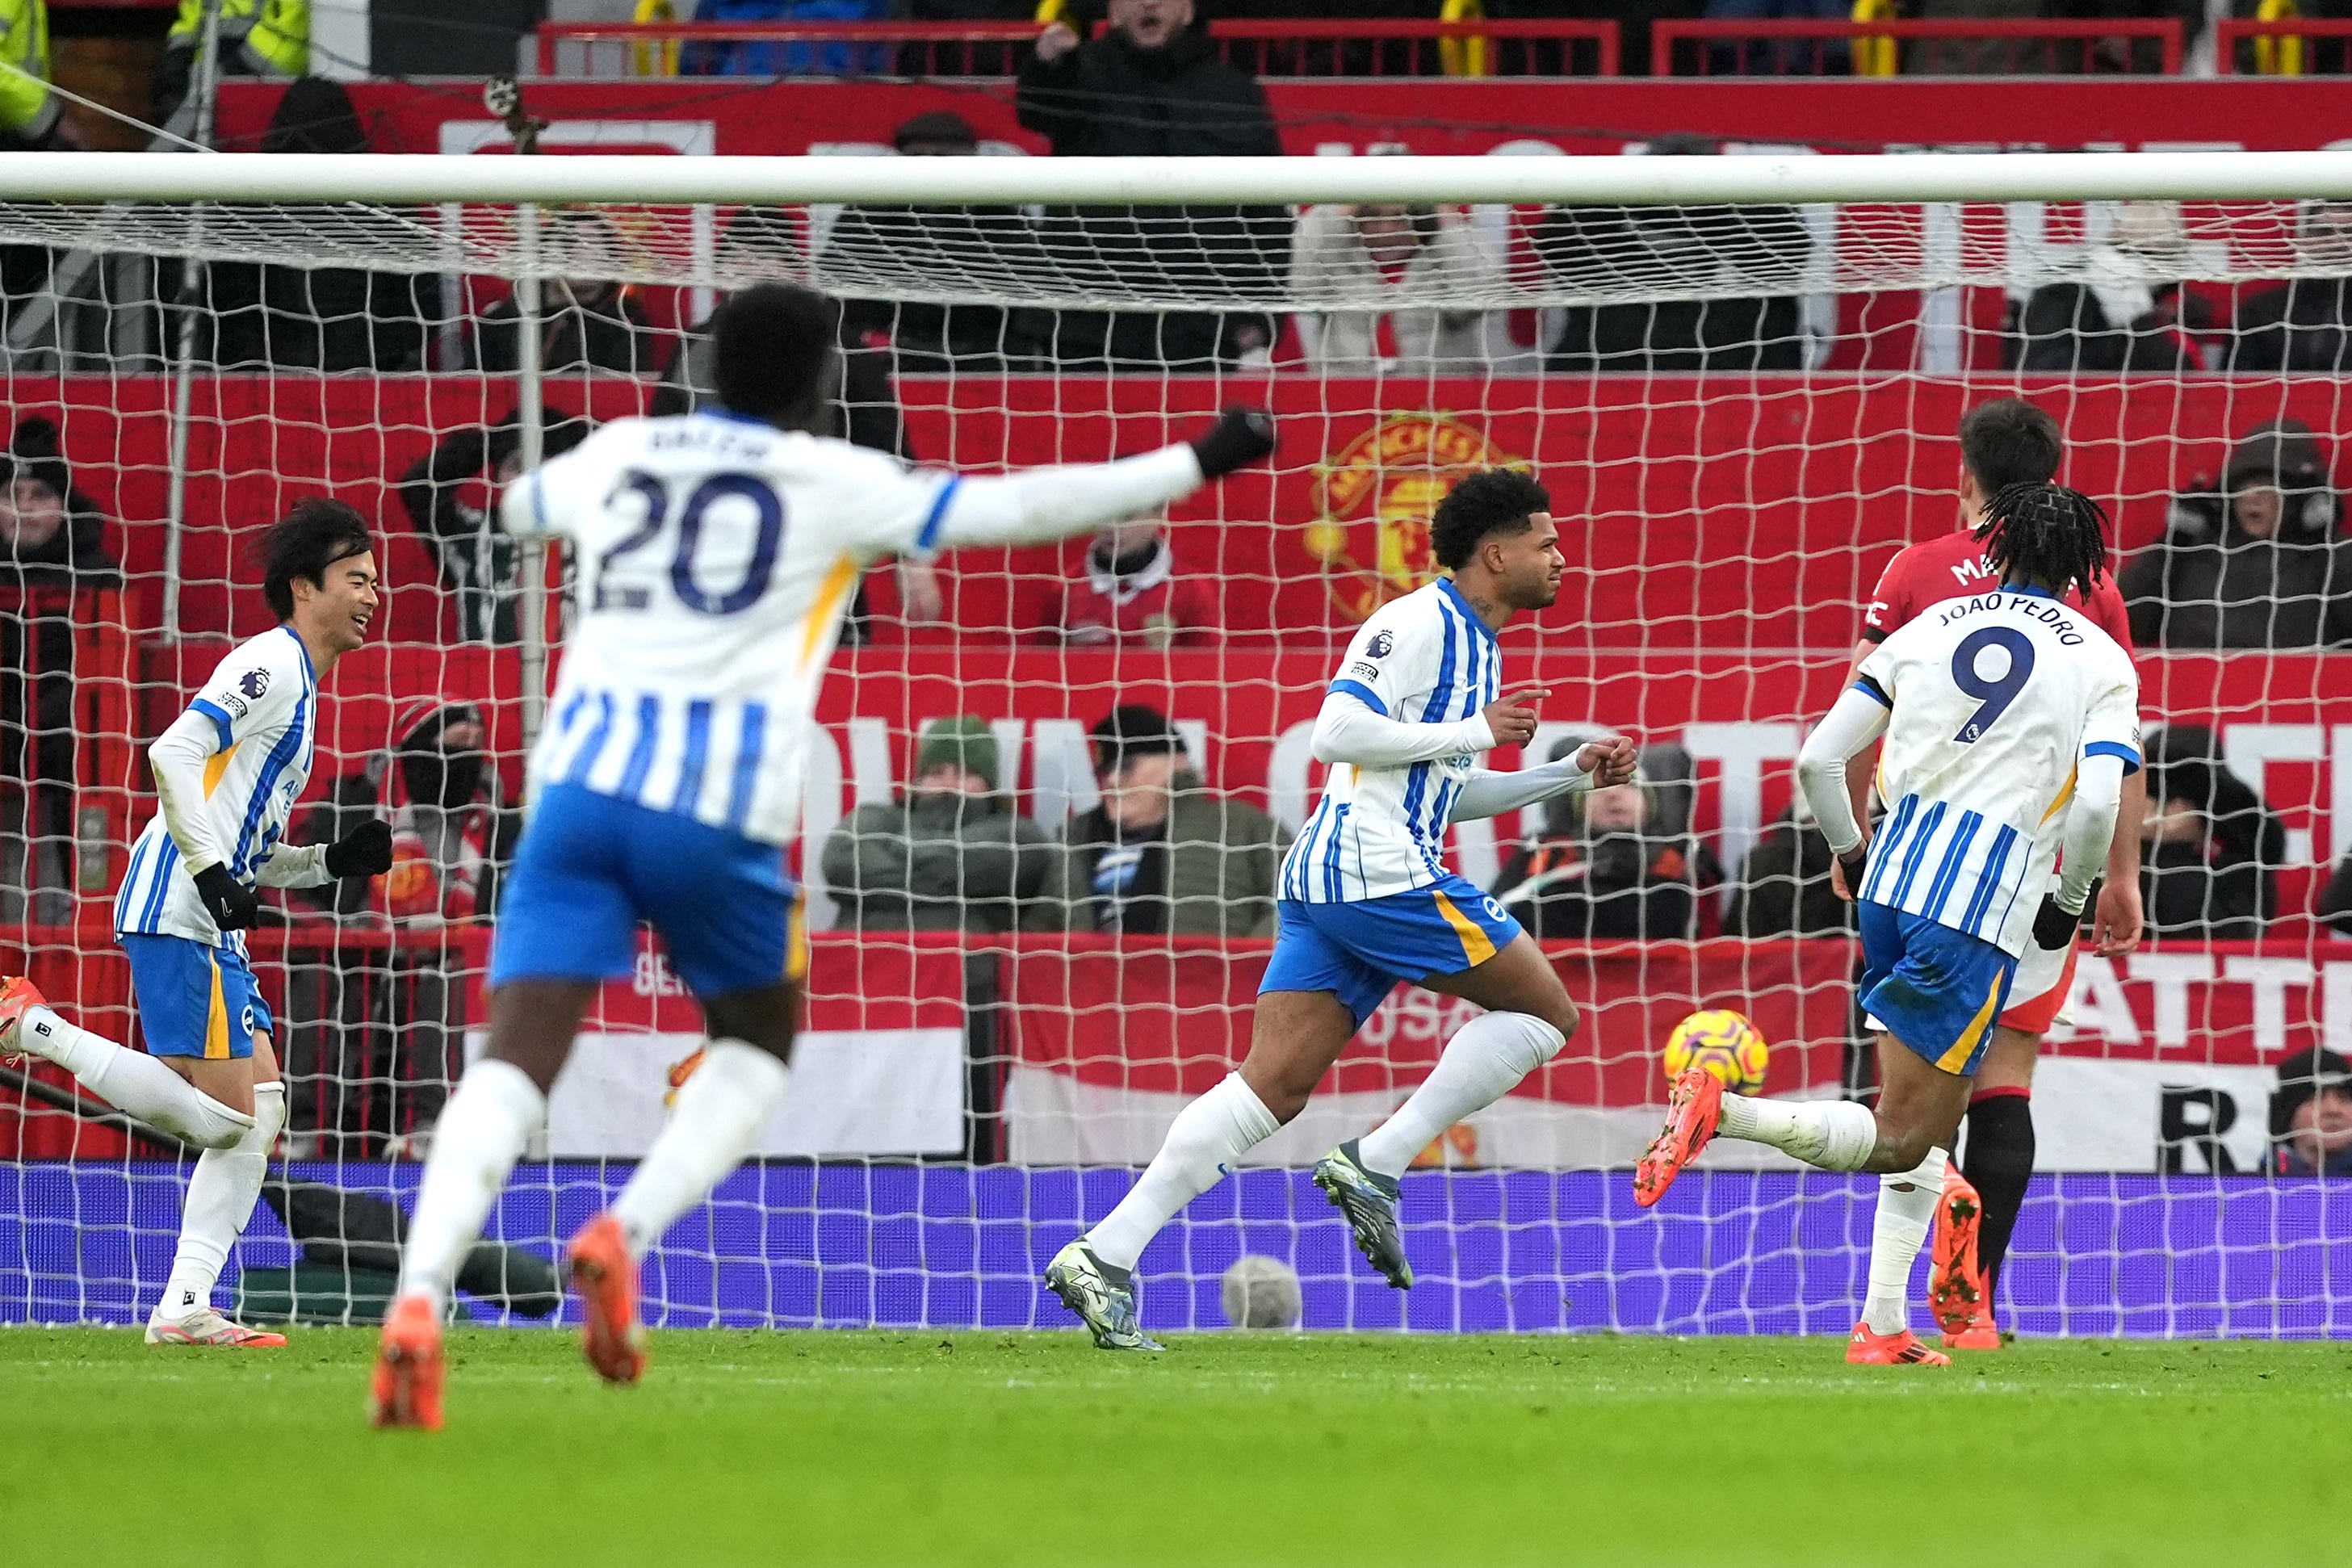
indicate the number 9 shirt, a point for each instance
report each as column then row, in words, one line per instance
column 1994, row 701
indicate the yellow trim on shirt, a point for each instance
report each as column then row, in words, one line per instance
column 1956, row 1060
column 216, row 1021
column 215, row 766
column 1477, row 947
column 2065, row 793
column 838, row 584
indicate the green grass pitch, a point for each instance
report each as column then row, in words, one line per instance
column 987, row 1449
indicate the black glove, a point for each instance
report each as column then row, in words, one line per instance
column 1854, row 863
column 364, row 851
column 229, row 901
column 1239, row 437
column 2054, row 927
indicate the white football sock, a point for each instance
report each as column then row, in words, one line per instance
column 1206, row 1136
column 1835, row 1135
column 1484, row 1062
column 718, row 1112
column 132, row 1081
column 1906, row 1202
column 220, row 1200
column 476, row 1143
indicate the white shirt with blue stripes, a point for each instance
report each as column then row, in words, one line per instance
column 1424, row 658
column 251, row 733
column 1994, row 701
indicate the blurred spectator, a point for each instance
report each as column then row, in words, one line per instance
column 587, row 321
column 2209, row 868
column 874, row 256
column 1161, row 855
column 2125, row 312
column 2256, row 563
column 1364, row 251
column 378, row 1029
column 2311, row 1116
column 2305, row 323
column 1153, row 86
column 257, row 38
column 951, row 854
column 756, row 58
column 1784, row 884
column 1634, row 18
column 51, row 546
column 2335, row 899
column 1785, row 56
column 440, row 492
column 266, row 316
column 1129, row 592
column 1606, row 865
column 760, row 243
column 32, row 116
column 1726, row 254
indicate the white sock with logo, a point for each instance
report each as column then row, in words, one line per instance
column 1906, row 1202
column 220, row 1199
column 1835, row 1135
column 476, row 1143
column 1206, row 1137
column 1484, row 1062
column 718, row 1111
column 131, row 1081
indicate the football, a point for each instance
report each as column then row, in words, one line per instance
column 1723, row 1042
column 1261, row 1292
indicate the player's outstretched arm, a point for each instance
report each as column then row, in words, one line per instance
column 364, row 851
column 1349, row 732
column 1596, row 766
column 1038, row 506
column 1858, row 718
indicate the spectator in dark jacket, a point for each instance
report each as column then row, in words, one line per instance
column 447, row 494
column 875, row 256
column 1605, row 866
column 1162, row 855
column 2212, row 851
column 1742, row 268
column 950, row 854
column 2305, row 323
column 1153, row 86
column 374, row 1046
column 1784, row 884
column 2255, row 562
column 51, row 546
column 588, row 322
column 2125, row 309
column 2336, row 899
column 268, row 316
column 2311, row 1116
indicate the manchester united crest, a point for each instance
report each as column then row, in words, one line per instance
column 1375, row 495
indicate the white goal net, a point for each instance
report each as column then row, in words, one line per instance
column 1050, row 787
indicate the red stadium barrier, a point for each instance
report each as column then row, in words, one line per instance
column 2049, row 47
column 1351, row 45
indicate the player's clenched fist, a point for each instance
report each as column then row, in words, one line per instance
column 1239, row 437
column 1512, row 716
column 1610, row 761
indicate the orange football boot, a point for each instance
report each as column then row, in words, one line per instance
column 408, row 1367
column 1955, row 1292
column 1981, row 1334
column 606, row 1277
column 1906, row 1349
column 1693, row 1108
column 16, row 994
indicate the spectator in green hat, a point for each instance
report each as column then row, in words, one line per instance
column 950, row 854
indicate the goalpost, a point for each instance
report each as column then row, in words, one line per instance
column 1741, row 377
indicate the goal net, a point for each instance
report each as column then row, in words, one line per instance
column 1049, row 788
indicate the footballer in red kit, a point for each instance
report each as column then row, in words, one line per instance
column 2004, row 442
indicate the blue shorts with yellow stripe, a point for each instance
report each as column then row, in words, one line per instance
column 194, row 1000
column 1360, row 950
column 1938, row 990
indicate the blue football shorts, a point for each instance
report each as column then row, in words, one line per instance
column 194, row 1000
column 1938, row 990
column 590, row 867
column 1360, row 950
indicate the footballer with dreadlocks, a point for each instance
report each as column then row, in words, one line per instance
column 2010, row 721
